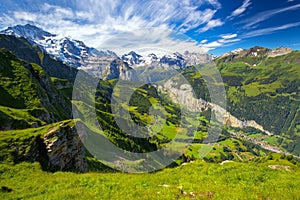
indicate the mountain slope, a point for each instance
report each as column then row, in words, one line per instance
column 72, row 52
column 31, row 53
column 263, row 179
column 28, row 97
column 266, row 89
column 104, row 64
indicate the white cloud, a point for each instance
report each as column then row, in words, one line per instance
column 144, row 41
column 211, row 24
column 196, row 19
column 225, row 40
column 215, row 3
column 229, row 36
column 97, row 22
column 269, row 30
column 252, row 22
column 25, row 16
column 212, row 44
column 154, row 12
column 241, row 9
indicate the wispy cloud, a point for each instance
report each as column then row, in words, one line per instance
column 152, row 39
column 269, row 30
column 252, row 22
column 196, row 19
column 96, row 22
column 229, row 36
column 211, row 24
column 240, row 10
column 224, row 39
column 215, row 3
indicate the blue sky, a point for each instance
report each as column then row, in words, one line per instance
column 214, row 26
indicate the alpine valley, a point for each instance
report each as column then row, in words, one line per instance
column 42, row 156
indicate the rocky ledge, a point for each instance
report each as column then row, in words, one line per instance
column 65, row 150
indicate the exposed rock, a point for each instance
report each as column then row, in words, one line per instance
column 280, row 167
column 184, row 96
column 71, row 52
column 197, row 58
column 107, row 68
column 175, row 60
column 65, row 149
column 254, row 52
column 279, row 52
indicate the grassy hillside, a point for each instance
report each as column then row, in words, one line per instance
column 267, row 92
column 269, row 179
column 263, row 89
column 22, row 176
column 33, row 54
column 28, row 98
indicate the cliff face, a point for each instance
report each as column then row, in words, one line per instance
column 57, row 147
column 65, row 150
column 183, row 95
column 279, row 52
column 107, row 68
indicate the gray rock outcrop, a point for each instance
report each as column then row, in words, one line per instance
column 65, row 150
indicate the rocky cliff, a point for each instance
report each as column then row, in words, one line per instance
column 279, row 52
column 65, row 150
column 56, row 147
column 184, row 96
column 107, row 68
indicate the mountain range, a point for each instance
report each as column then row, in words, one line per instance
column 76, row 54
column 38, row 70
column 108, row 64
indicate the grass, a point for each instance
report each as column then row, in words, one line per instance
column 272, row 141
column 200, row 180
column 16, row 145
column 205, row 181
column 21, row 114
column 267, row 93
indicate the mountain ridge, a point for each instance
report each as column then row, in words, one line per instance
column 76, row 54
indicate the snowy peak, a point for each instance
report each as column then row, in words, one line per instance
column 72, row 52
column 76, row 54
column 193, row 58
column 175, row 60
column 236, row 51
column 186, row 59
column 132, row 58
column 30, row 32
column 153, row 56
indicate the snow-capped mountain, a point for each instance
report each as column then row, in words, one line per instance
column 104, row 64
column 175, row 60
column 30, row 32
column 72, row 52
column 132, row 58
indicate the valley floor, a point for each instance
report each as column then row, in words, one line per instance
column 273, row 179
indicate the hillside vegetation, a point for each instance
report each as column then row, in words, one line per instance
column 28, row 98
column 38, row 136
column 269, row 179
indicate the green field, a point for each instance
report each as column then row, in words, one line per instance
column 197, row 180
